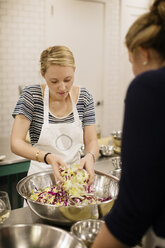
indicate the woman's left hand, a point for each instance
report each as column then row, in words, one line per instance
column 87, row 163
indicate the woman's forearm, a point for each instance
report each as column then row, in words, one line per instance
column 92, row 147
column 23, row 149
column 106, row 240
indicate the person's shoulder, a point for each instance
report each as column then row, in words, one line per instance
column 35, row 87
column 84, row 92
column 34, row 90
column 152, row 80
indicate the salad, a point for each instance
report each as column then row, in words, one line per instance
column 75, row 190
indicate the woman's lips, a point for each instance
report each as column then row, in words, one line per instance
column 62, row 93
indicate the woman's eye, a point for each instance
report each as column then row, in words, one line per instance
column 67, row 80
column 53, row 82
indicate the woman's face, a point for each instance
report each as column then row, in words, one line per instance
column 59, row 80
column 137, row 66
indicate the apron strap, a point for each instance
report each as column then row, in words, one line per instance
column 75, row 111
column 46, row 105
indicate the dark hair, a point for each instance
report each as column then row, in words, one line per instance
column 148, row 30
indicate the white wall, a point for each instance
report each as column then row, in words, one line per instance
column 22, row 25
column 130, row 11
column 21, row 41
column 23, row 29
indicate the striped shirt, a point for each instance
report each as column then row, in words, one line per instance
column 30, row 104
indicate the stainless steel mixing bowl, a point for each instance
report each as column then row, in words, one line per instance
column 37, row 236
column 117, row 138
column 106, row 151
column 86, row 230
column 116, row 162
column 66, row 215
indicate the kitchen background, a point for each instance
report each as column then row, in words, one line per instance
column 93, row 29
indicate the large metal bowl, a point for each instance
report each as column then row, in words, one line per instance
column 37, row 236
column 105, row 186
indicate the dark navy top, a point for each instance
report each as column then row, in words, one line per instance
column 141, row 200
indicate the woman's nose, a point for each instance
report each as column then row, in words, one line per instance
column 62, row 86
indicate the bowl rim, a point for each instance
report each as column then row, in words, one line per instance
column 32, row 225
column 87, row 220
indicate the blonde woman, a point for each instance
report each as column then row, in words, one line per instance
column 60, row 118
column 139, row 210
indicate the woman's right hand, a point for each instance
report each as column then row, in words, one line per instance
column 56, row 162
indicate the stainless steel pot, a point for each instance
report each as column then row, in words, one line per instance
column 37, row 236
column 67, row 215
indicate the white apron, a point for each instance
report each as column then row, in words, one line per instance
column 153, row 241
column 62, row 139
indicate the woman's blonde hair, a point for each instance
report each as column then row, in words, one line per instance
column 56, row 55
column 148, row 30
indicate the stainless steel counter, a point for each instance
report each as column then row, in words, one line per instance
column 104, row 164
column 11, row 158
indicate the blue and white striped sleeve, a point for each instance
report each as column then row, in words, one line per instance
column 25, row 104
column 89, row 110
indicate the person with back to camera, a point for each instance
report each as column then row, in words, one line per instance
column 60, row 117
column 139, row 210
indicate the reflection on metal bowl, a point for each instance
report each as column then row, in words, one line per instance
column 87, row 230
column 37, row 236
column 116, row 161
column 106, row 151
column 117, row 137
column 66, row 215
column 116, row 173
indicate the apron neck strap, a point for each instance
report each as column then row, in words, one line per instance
column 46, row 105
column 75, row 112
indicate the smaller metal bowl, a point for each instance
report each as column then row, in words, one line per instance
column 106, row 151
column 116, row 162
column 117, row 137
column 87, row 230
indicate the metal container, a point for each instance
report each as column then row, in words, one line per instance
column 116, row 173
column 37, row 236
column 67, row 215
column 106, row 151
column 117, row 137
column 116, row 162
column 87, row 230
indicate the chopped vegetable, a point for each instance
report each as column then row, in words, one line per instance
column 74, row 191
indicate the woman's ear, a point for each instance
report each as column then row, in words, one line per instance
column 145, row 54
column 42, row 74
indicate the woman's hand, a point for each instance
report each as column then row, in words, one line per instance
column 56, row 162
column 87, row 163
